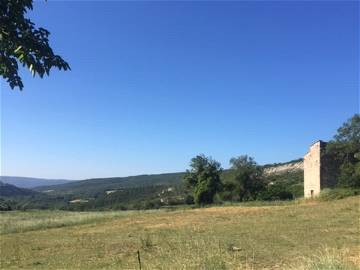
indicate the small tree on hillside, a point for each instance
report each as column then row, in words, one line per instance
column 247, row 175
column 345, row 150
column 203, row 179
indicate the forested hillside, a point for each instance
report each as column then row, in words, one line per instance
column 7, row 190
column 93, row 187
column 134, row 192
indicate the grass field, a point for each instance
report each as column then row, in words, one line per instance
column 305, row 235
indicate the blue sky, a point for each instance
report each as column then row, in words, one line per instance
column 155, row 83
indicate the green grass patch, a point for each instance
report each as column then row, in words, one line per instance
column 227, row 237
column 23, row 221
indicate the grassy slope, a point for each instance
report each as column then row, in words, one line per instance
column 272, row 237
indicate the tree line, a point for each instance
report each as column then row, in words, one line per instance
column 247, row 180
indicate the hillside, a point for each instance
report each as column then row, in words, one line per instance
column 93, row 187
column 286, row 167
column 7, row 190
column 96, row 186
column 144, row 191
column 278, row 236
column 30, row 182
column 135, row 192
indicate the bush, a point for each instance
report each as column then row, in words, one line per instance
column 277, row 191
column 297, row 190
column 151, row 204
column 5, row 205
column 189, row 199
column 337, row 193
column 119, row 207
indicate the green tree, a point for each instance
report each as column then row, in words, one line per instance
column 247, row 180
column 21, row 42
column 203, row 179
column 276, row 191
column 345, row 151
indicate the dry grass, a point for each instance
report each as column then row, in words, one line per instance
column 12, row 222
column 328, row 260
column 269, row 237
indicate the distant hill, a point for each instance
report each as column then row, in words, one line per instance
column 29, row 182
column 7, row 190
column 93, row 187
column 96, row 186
column 132, row 192
column 15, row 198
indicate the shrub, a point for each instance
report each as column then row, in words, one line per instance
column 337, row 193
column 189, row 199
column 277, row 191
column 297, row 190
column 120, row 207
column 5, row 205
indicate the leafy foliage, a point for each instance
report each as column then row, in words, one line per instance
column 5, row 205
column 21, row 42
column 289, row 181
column 276, row 191
column 337, row 193
column 246, row 179
column 203, row 179
column 345, row 150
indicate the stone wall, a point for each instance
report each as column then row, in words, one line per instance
column 312, row 174
column 328, row 171
column 319, row 170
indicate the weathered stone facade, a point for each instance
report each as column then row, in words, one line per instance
column 319, row 170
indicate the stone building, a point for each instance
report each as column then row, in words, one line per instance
column 319, row 170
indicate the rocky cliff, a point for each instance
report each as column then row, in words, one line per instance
column 285, row 167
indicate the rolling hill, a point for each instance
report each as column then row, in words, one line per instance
column 133, row 192
column 93, row 187
column 7, row 190
column 30, row 182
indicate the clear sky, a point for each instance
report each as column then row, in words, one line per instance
column 155, row 83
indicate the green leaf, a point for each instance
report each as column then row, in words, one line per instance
column 18, row 49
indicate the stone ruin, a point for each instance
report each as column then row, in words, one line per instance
column 319, row 170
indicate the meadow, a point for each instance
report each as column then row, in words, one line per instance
column 308, row 234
